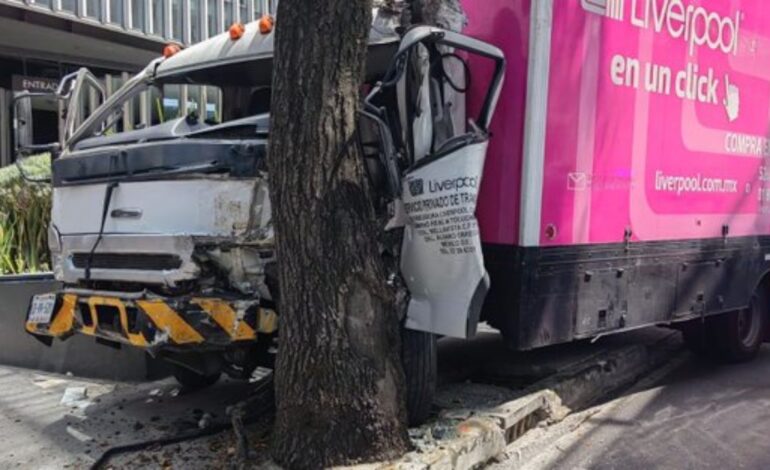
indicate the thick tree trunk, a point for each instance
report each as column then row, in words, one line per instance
column 339, row 383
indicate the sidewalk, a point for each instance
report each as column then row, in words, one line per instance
column 41, row 429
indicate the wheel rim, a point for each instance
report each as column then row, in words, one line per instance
column 748, row 324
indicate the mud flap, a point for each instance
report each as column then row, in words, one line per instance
column 441, row 259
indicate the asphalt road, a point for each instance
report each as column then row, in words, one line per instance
column 698, row 416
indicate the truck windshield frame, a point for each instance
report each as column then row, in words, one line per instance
column 133, row 86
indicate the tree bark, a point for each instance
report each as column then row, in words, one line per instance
column 339, row 383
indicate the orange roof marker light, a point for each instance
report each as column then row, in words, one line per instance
column 266, row 24
column 236, row 31
column 171, row 49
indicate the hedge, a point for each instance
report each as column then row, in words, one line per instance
column 25, row 211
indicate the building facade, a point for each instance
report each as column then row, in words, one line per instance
column 43, row 40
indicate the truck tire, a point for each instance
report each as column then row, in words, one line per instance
column 741, row 333
column 419, row 358
column 192, row 380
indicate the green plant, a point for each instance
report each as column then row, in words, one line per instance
column 25, row 210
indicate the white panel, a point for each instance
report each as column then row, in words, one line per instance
column 441, row 258
column 535, row 124
column 210, row 207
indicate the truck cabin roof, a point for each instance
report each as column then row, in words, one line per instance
column 248, row 61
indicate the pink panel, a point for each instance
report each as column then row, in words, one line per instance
column 628, row 146
column 504, row 23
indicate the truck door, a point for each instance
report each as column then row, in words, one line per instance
column 84, row 94
column 434, row 155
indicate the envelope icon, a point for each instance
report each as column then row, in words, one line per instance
column 577, row 181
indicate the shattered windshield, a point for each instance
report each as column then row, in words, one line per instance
column 141, row 110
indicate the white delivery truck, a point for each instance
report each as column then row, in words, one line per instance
column 622, row 182
column 162, row 236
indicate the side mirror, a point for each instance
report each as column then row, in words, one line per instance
column 23, row 126
column 22, row 122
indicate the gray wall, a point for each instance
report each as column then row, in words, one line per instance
column 79, row 355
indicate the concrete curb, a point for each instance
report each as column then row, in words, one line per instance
column 481, row 435
column 521, row 452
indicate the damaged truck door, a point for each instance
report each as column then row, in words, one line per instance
column 442, row 152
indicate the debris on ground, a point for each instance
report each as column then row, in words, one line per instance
column 205, row 421
column 46, row 382
column 79, row 435
column 75, row 397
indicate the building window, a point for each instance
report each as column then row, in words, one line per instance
column 116, row 12
column 69, row 5
column 176, row 19
column 94, row 9
column 213, row 18
column 193, row 99
column 171, row 108
column 158, row 18
column 244, row 11
column 213, row 114
column 260, row 8
column 43, row 3
column 195, row 21
column 138, row 12
column 229, row 13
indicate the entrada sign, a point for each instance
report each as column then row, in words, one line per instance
column 33, row 84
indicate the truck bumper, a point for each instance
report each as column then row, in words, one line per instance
column 154, row 324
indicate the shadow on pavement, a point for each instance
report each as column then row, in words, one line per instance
column 701, row 415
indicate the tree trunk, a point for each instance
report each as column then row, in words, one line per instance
column 339, row 383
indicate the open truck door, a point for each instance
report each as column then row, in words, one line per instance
column 433, row 153
column 84, row 94
column 67, row 100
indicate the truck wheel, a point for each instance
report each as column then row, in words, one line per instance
column 741, row 332
column 419, row 358
column 192, row 380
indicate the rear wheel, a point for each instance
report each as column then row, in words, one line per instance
column 419, row 358
column 733, row 336
column 741, row 333
column 192, row 380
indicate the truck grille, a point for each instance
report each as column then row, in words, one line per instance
column 136, row 261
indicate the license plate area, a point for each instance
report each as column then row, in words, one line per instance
column 41, row 309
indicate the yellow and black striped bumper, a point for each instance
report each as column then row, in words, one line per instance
column 156, row 323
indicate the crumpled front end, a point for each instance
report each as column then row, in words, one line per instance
column 168, row 236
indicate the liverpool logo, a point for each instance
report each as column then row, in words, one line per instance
column 416, row 187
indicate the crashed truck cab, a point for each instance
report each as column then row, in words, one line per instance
column 162, row 236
